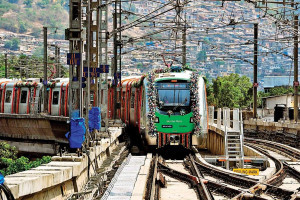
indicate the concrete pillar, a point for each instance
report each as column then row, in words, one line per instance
column 219, row 118
column 236, row 124
column 211, row 111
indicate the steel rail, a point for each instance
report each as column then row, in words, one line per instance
column 203, row 191
column 245, row 182
column 151, row 180
column 290, row 151
column 275, row 179
column 234, row 179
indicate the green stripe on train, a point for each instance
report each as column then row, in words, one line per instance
column 174, row 123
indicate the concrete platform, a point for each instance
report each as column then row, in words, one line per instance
column 63, row 175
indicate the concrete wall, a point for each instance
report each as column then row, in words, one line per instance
column 63, row 175
column 215, row 141
column 284, row 132
column 26, row 131
column 272, row 101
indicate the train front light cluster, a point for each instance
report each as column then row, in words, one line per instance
column 191, row 120
column 156, row 120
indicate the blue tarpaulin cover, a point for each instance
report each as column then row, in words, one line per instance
column 75, row 114
column 95, row 119
column 1, row 179
column 77, row 135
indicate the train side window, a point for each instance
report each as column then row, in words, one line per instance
column 23, row 96
column 132, row 100
column 55, row 97
column 8, row 96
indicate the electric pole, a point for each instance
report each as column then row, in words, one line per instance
column 296, row 83
column 184, row 46
column 45, row 71
column 5, row 60
column 57, row 61
column 115, row 61
column 117, row 58
column 255, row 84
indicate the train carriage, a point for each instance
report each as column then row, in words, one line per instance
column 169, row 109
column 174, row 119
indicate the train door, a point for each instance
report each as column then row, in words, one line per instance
column 24, row 100
column 62, row 102
column 55, row 101
column 8, row 100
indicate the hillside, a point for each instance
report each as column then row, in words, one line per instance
column 29, row 16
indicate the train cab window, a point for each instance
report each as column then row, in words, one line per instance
column 23, row 96
column 55, row 97
column 8, row 96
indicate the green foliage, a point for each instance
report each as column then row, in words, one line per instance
column 201, row 56
column 230, row 91
column 41, row 13
column 23, row 27
column 28, row 3
column 43, row 3
column 10, row 164
column 278, row 90
column 12, row 44
column 14, row 62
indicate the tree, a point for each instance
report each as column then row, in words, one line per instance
column 23, row 27
column 10, row 164
column 230, row 91
column 28, row 3
column 15, row 44
column 201, row 56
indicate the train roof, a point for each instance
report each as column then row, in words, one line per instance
column 184, row 75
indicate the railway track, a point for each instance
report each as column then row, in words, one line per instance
column 248, row 186
column 290, row 152
column 283, row 168
column 157, row 181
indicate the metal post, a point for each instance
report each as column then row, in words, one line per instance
column 5, row 60
column 45, row 71
column 255, row 84
column 56, row 61
column 88, row 92
column 184, row 46
column 115, row 61
column 296, row 83
column 103, row 59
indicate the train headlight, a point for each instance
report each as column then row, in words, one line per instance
column 156, row 120
column 191, row 120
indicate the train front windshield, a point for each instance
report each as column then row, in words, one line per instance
column 173, row 94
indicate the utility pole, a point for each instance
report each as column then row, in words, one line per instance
column 103, row 58
column 255, row 84
column 296, row 82
column 45, row 70
column 117, row 44
column 56, row 62
column 115, row 59
column 184, row 46
column 5, row 60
